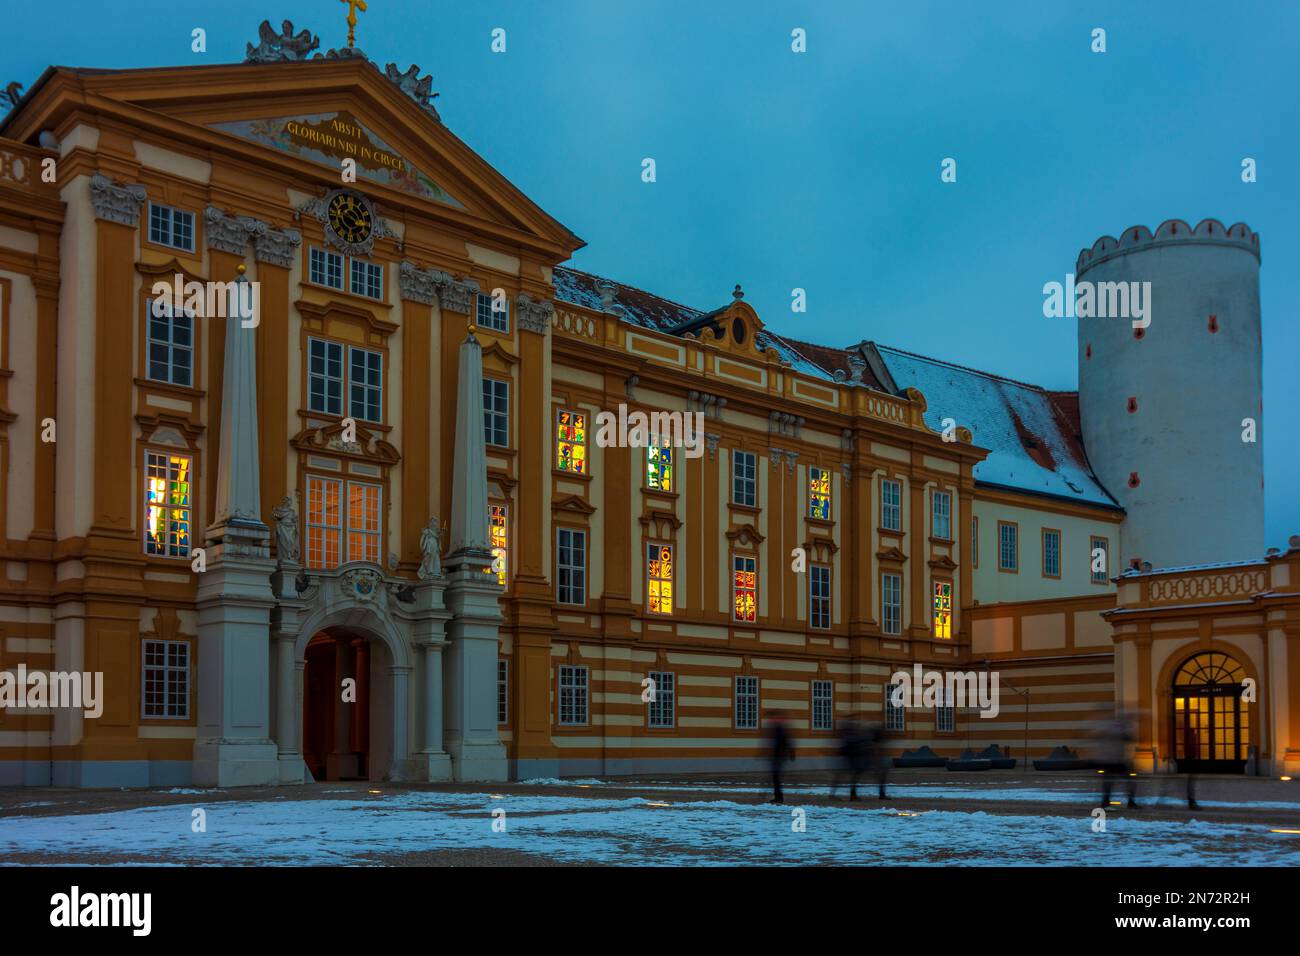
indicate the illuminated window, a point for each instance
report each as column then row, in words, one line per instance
column 571, row 442
column 891, row 509
column 1051, row 553
column 363, row 522
column 942, row 612
column 659, row 467
column 329, row 526
column 819, row 493
column 659, row 578
column 819, row 596
column 891, row 603
column 499, row 538
column 823, row 709
column 941, row 515
column 746, row 703
column 744, row 589
column 167, row 504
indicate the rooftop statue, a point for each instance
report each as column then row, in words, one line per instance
column 276, row 48
column 420, row 90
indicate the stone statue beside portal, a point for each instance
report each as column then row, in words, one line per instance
column 286, row 531
column 431, row 550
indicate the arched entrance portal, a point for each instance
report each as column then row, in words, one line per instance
column 346, row 703
column 1211, row 722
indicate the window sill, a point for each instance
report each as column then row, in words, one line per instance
column 745, row 509
column 569, row 475
column 346, row 294
column 891, row 531
column 186, row 391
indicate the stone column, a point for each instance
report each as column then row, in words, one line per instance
column 473, row 596
column 234, row 600
column 285, row 698
column 401, row 735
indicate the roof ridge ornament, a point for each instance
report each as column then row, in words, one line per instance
column 418, row 88
column 282, row 47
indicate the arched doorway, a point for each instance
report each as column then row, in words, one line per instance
column 1211, row 724
column 345, row 703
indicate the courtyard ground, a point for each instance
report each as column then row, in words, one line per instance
column 929, row 818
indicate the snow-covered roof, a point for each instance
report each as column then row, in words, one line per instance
column 1032, row 434
column 662, row 315
column 1253, row 562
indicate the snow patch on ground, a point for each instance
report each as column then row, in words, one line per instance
column 635, row 831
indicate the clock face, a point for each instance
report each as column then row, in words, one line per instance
column 349, row 217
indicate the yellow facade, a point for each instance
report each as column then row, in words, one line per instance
column 81, row 590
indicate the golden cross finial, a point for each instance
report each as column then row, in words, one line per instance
column 353, row 7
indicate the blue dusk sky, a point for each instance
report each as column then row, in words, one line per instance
column 821, row 170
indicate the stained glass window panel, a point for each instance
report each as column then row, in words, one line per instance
column 744, row 589
column 659, row 468
column 167, row 505
column 819, row 493
column 659, row 578
column 943, row 609
column 498, row 536
column 571, row 442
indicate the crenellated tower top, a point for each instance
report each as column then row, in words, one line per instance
column 1169, row 232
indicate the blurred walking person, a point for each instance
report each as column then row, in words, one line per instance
column 871, row 754
column 1191, row 747
column 782, row 749
column 1113, row 759
column 851, row 757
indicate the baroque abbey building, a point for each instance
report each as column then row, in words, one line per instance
column 364, row 529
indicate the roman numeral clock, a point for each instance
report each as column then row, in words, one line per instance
column 349, row 217
column 351, row 221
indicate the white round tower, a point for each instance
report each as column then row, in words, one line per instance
column 1162, row 407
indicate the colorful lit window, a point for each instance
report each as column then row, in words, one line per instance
column 167, row 505
column 498, row 537
column 329, row 526
column 943, row 609
column 744, row 589
column 659, row 577
column 659, row 467
column 819, row 494
column 571, row 442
